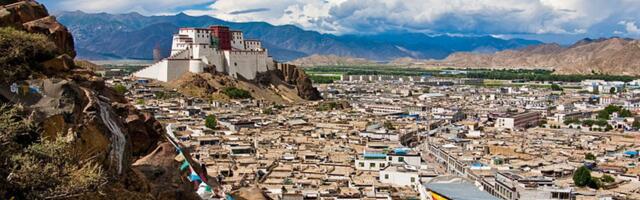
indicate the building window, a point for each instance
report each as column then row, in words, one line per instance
column 361, row 164
column 413, row 179
column 390, row 158
column 386, row 176
column 400, row 159
column 382, row 164
column 372, row 165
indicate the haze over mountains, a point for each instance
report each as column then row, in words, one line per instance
column 133, row 36
column 615, row 56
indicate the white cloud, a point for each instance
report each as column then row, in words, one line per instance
column 505, row 17
column 630, row 27
column 458, row 16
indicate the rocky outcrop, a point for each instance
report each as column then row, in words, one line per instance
column 616, row 56
column 161, row 175
column 144, row 129
column 286, row 84
column 296, row 76
column 62, row 63
column 56, row 32
column 33, row 17
column 67, row 101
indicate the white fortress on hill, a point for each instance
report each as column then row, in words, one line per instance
column 216, row 48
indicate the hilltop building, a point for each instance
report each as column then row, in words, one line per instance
column 216, row 48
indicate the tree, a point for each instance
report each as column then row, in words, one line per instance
column 608, row 179
column 120, row 89
column 571, row 121
column 636, row 124
column 236, row 93
column 556, row 87
column 603, row 114
column 612, row 90
column 589, row 156
column 608, row 128
column 588, row 122
column 595, row 183
column 542, row 123
column 210, row 122
column 625, row 113
column 582, row 176
column 140, row 101
column 159, row 95
column 601, row 123
column 612, row 108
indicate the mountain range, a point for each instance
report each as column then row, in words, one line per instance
column 133, row 36
column 615, row 56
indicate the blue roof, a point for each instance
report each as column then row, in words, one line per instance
column 477, row 164
column 400, row 151
column 462, row 191
column 631, row 153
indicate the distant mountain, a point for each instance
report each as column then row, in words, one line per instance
column 133, row 36
column 619, row 56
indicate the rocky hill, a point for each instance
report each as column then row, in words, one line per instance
column 606, row 56
column 329, row 60
column 64, row 134
column 131, row 35
column 288, row 84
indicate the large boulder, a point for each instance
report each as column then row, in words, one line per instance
column 56, row 32
column 145, row 130
column 62, row 63
column 34, row 18
column 162, row 173
column 17, row 13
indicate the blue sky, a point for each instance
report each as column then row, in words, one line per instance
column 562, row 21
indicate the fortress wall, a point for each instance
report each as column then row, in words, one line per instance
column 270, row 64
column 196, row 66
column 154, row 71
column 213, row 57
column 230, row 66
column 177, row 69
column 247, row 63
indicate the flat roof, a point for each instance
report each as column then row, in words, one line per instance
column 459, row 191
column 191, row 28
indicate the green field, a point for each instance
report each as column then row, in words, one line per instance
column 492, row 74
column 323, row 78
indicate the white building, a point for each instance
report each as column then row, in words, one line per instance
column 383, row 109
column 401, row 175
column 602, row 86
column 404, row 156
column 216, row 48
